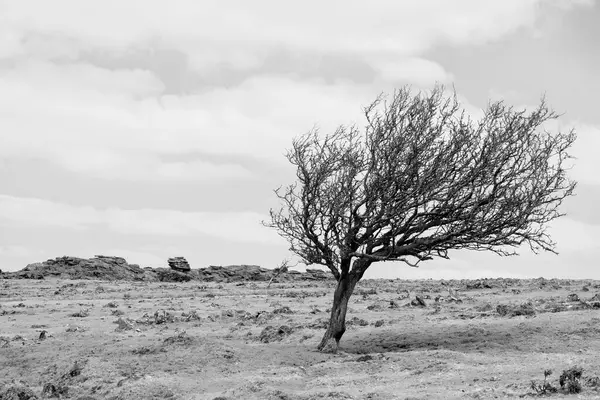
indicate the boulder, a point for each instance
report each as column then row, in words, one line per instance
column 179, row 264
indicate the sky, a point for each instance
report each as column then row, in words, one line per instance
column 152, row 129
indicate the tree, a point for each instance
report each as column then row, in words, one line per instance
column 422, row 179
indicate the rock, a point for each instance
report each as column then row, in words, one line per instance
column 357, row 321
column 419, row 302
column 235, row 273
column 573, row 297
column 479, row 284
column 123, row 325
column 181, row 339
column 117, row 269
column 510, row 310
column 98, row 267
column 18, row 393
column 171, row 275
column 57, row 391
column 375, row 307
column 163, row 317
column 272, row 334
column 179, row 264
column 75, row 369
column 318, row 274
column 283, row 310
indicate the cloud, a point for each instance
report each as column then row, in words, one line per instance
column 120, row 122
column 33, row 212
column 414, row 70
column 350, row 25
column 122, row 134
column 231, row 226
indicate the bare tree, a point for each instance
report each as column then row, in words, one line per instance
column 421, row 180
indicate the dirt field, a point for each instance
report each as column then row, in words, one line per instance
column 128, row 340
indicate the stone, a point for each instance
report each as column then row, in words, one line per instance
column 57, row 391
column 18, row 393
column 179, row 264
column 573, row 297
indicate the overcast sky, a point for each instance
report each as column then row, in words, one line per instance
column 149, row 129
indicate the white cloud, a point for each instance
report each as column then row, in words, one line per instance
column 114, row 135
column 231, row 226
column 333, row 25
column 115, row 124
column 33, row 212
column 415, row 70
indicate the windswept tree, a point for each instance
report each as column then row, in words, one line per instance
column 421, row 179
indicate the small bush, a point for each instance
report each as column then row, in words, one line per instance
column 571, row 379
column 545, row 387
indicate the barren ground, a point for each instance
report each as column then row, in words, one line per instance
column 206, row 340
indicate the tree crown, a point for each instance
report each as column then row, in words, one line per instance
column 423, row 178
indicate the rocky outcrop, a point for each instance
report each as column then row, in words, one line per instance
column 234, row 273
column 171, row 275
column 179, row 264
column 98, row 267
column 117, row 268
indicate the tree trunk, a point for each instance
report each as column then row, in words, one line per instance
column 337, row 321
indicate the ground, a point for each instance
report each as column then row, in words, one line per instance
column 196, row 340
